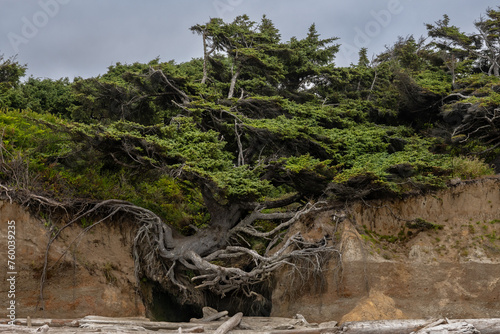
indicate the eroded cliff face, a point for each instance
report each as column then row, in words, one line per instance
column 449, row 266
column 89, row 274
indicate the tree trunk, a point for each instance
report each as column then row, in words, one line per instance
column 452, row 68
column 205, row 59
column 207, row 241
column 233, row 83
column 241, row 157
column 372, row 85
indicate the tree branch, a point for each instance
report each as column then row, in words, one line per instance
column 241, row 158
column 273, row 204
column 184, row 97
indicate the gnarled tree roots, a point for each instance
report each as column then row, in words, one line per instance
column 213, row 256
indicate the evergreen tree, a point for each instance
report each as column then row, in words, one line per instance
column 483, row 45
column 308, row 59
column 10, row 74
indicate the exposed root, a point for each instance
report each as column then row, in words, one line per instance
column 222, row 280
column 161, row 258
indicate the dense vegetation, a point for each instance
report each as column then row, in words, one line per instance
column 253, row 134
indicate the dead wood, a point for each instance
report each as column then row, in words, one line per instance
column 96, row 321
column 383, row 326
column 431, row 323
column 229, row 324
column 199, row 329
column 51, row 322
column 483, row 326
column 305, row 331
column 208, row 311
column 446, row 326
column 211, row 317
column 301, row 320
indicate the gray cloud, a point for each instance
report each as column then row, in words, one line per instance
column 59, row 38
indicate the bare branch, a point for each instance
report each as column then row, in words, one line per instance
column 241, row 158
column 185, row 98
column 273, row 204
column 229, row 324
column 245, row 225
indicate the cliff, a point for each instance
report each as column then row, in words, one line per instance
column 435, row 255
column 393, row 269
column 89, row 273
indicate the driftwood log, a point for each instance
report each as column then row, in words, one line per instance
column 482, row 326
column 199, row 329
column 305, row 331
column 212, row 317
column 230, row 324
column 445, row 326
column 254, row 325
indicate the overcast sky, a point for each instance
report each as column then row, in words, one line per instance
column 68, row 38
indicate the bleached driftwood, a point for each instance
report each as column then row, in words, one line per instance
column 483, row 326
column 486, row 326
column 139, row 322
column 51, row 322
column 301, row 320
column 446, row 326
column 229, row 324
column 208, row 311
column 43, row 329
column 383, row 326
column 304, row 331
column 199, row 329
column 431, row 324
column 211, row 317
column 254, row 325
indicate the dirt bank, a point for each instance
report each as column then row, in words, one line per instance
column 448, row 266
column 91, row 273
column 436, row 255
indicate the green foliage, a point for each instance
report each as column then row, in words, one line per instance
column 140, row 93
column 47, row 143
column 477, row 81
column 468, row 168
column 255, row 119
column 479, row 49
column 415, row 165
column 305, row 162
column 25, row 131
column 423, row 225
column 10, row 74
column 434, row 81
column 44, row 96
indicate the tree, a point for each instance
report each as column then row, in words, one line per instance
column 472, row 120
column 237, row 199
column 44, row 95
column 302, row 137
column 471, row 116
column 10, row 71
column 260, row 62
column 249, row 46
column 10, row 74
column 143, row 93
column 363, row 60
column 308, row 59
column 483, row 45
column 407, row 53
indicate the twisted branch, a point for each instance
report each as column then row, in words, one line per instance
column 158, row 255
